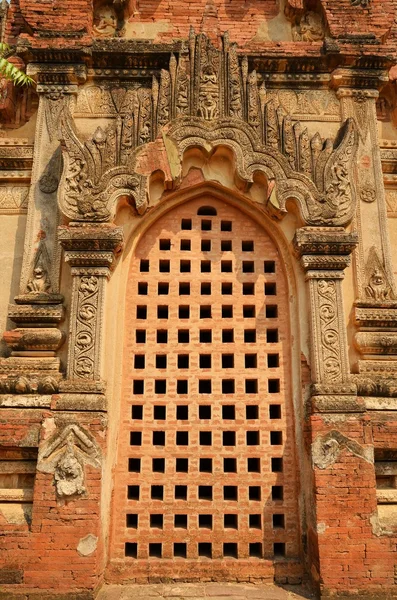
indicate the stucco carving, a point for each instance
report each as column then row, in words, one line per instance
column 326, row 449
column 65, row 454
column 207, row 96
column 310, row 28
column 13, row 199
column 378, row 287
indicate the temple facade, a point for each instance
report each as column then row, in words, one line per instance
column 198, row 309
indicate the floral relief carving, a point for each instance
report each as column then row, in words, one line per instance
column 329, row 332
column 87, row 307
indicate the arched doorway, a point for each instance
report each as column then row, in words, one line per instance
column 206, row 479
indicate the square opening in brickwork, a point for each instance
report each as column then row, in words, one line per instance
column 205, row 386
column 186, row 224
column 182, row 386
column 144, row 265
column 205, row 438
column 228, row 411
column 206, row 225
column 272, row 336
column 165, row 244
column 205, row 245
column 185, row 245
column 180, row 492
column 183, row 361
column 252, row 438
column 157, row 492
column 180, row 550
column 255, row 550
column 133, row 492
column 157, row 521
column 230, row 492
column 131, row 550
column 227, row 361
column 273, row 360
column 205, row 465
column 205, row 289
column 163, row 289
column 162, row 311
column 227, row 311
column 270, row 289
column 180, row 521
column 230, row 550
column 278, row 521
column 184, row 267
column 155, row 550
column 254, row 492
column 248, row 289
column 253, row 465
column 182, row 412
column 138, row 386
column 159, row 413
column 228, row 386
column 205, row 266
column 273, row 386
column 269, row 266
column 271, row 311
column 136, row 438
column 252, row 411
column 137, row 412
column 205, row 521
column 182, row 438
column 158, row 438
column 158, row 465
column 182, row 465
column 276, row 438
column 161, row 361
column 205, row 550
column 277, row 465
column 249, row 311
column 183, row 336
column 205, row 492
column 142, row 288
column 132, row 521
column 275, row 411
column 249, row 336
column 251, row 361
column 141, row 312
column 205, row 336
column 134, row 465
column 139, row 361
column 248, row 266
column 247, row 246
column 162, row 336
column 226, row 226
column 226, row 245
column 140, row 336
column 279, row 549
column 205, row 361
column 226, row 266
column 184, row 312
column 255, row 521
column 228, row 438
column 230, row 465
column 205, row 312
column 204, row 411
column 277, row 492
column 230, row 521
column 184, row 288
column 251, row 386
column 160, row 386
column 164, row 266
column 227, row 288
column 227, row 336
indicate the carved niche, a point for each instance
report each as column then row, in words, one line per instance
column 378, row 287
column 206, row 96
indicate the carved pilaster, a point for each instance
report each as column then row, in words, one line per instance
column 90, row 251
column 324, row 254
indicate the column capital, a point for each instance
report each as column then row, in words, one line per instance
column 324, row 251
column 90, row 245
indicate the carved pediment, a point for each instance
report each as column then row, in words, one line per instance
column 209, row 93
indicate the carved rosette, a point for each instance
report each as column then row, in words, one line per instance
column 90, row 251
column 324, row 254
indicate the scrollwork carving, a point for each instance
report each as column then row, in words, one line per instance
column 329, row 332
column 87, row 307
